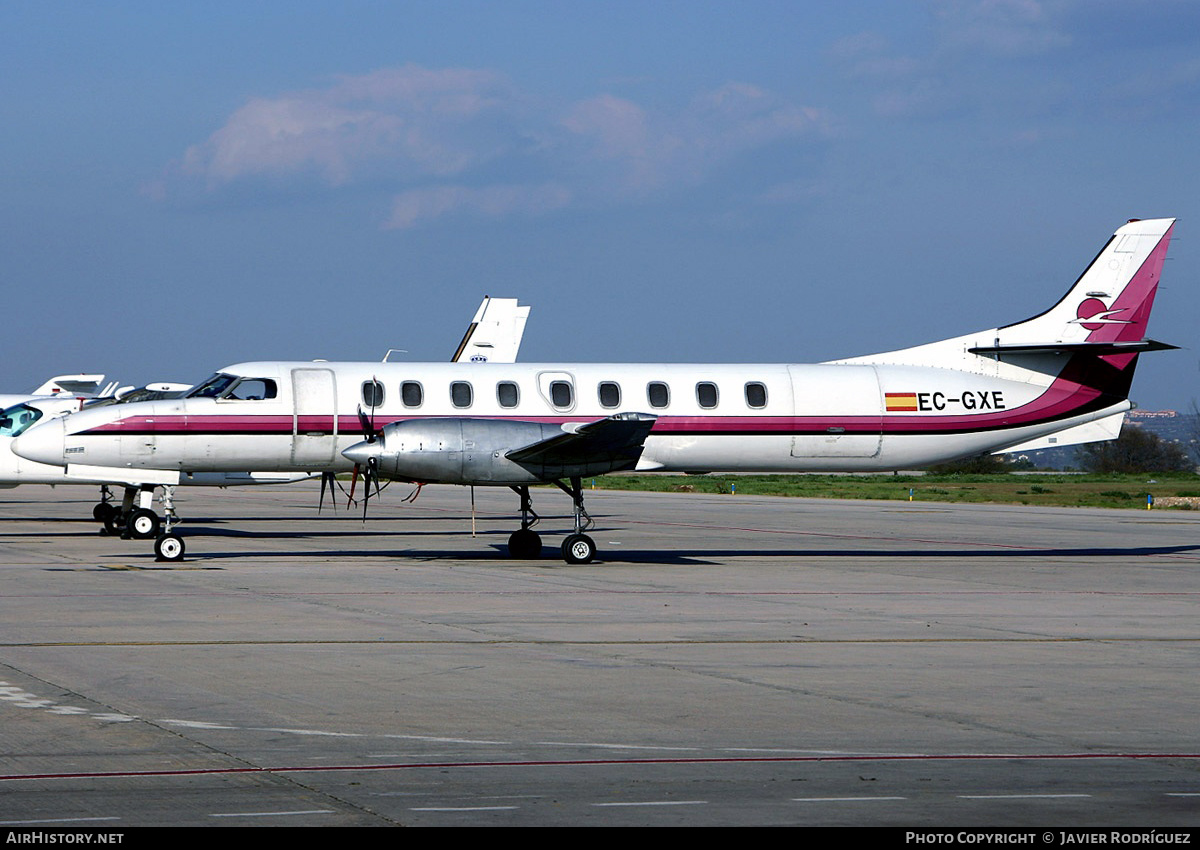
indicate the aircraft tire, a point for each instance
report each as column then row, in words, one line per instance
column 143, row 524
column 578, row 549
column 103, row 511
column 168, row 547
column 114, row 524
column 525, row 545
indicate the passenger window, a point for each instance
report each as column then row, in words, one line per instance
column 461, row 394
column 658, row 394
column 610, row 394
column 372, row 394
column 507, row 394
column 706, row 395
column 560, row 393
column 411, row 394
column 756, row 394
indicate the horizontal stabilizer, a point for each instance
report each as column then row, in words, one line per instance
column 606, row 445
column 1108, row 428
column 1133, row 347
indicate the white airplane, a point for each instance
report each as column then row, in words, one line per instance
column 494, row 334
column 1065, row 373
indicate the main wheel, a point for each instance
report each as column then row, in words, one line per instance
column 578, row 549
column 143, row 524
column 524, row 545
column 103, row 511
column 169, row 547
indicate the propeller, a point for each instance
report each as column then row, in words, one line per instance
column 369, row 469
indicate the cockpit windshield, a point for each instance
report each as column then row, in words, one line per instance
column 214, row 387
column 14, row 420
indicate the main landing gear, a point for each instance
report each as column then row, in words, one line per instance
column 141, row 522
column 526, row 544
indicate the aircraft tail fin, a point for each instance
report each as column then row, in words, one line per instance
column 1100, row 321
column 494, row 335
column 1111, row 301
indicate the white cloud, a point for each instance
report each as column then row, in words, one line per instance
column 974, row 60
column 414, row 121
column 418, row 205
column 1009, row 28
column 465, row 140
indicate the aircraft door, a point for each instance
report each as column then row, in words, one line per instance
column 314, row 417
column 838, row 411
column 137, row 442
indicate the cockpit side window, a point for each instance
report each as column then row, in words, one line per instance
column 14, row 420
column 252, row 389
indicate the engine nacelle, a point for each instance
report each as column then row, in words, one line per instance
column 459, row 451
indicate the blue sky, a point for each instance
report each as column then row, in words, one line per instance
column 191, row 185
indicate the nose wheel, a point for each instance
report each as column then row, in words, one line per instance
column 169, row 547
column 578, row 549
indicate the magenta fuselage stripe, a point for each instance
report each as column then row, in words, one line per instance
column 196, row 426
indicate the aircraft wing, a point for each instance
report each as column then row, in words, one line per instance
column 593, row 448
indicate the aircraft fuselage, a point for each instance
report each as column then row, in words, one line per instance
column 730, row 417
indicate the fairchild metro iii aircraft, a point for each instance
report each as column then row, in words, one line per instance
column 1064, row 374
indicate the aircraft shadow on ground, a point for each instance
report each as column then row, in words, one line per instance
column 197, row 531
column 496, row 552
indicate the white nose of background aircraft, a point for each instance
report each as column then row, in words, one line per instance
column 1064, row 373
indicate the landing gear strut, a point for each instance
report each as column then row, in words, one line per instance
column 168, row 546
column 578, row 548
column 526, row 543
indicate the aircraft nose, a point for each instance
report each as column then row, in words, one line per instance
column 360, row 453
column 44, row 443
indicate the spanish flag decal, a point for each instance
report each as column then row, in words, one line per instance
column 900, row 401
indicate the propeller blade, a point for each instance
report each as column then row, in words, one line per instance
column 327, row 479
column 368, row 427
column 370, row 475
column 353, row 481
